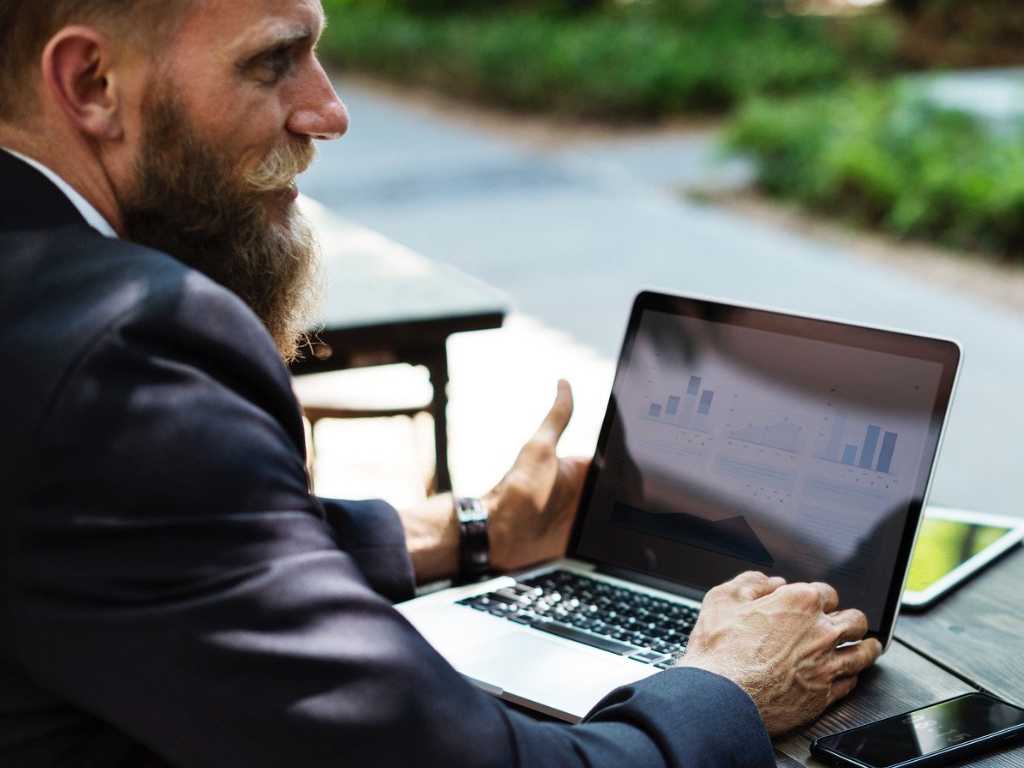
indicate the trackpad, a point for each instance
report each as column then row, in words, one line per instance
column 567, row 678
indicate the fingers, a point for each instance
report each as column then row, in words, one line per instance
column 824, row 597
column 579, row 465
column 841, row 688
column 829, row 596
column 577, row 468
column 852, row 625
column 748, row 577
column 854, row 659
column 754, row 589
column 810, row 597
column 752, row 585
column 557, row 420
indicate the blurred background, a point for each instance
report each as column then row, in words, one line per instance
column 860, row 159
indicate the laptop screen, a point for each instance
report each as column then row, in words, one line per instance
column 740, row 439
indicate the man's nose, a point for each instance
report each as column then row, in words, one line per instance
column 320, row 113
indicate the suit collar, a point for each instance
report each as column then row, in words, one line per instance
column 28, row 200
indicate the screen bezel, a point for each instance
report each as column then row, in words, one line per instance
column 819, row 745
column 946, row 352
column 920, row 599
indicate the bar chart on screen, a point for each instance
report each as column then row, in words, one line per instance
column 690, row 407
column 857, row 443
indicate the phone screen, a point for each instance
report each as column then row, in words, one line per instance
column 944, row 545
column 925, row 731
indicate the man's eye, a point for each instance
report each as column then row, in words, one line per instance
column 275, row 66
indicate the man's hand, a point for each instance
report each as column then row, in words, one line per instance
column 532, row 508
column 778, row 642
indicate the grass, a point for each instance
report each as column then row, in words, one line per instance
column 621, row 63
column 882, row 155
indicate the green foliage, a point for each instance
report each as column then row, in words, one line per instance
column 448, row 6
column 884, row 156
column 639, row 60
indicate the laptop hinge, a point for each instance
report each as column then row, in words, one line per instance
column 652, row 581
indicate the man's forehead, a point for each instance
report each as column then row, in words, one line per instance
column 240, row 24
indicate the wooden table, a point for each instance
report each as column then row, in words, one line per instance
column 386, row 304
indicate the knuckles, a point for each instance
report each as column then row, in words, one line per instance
column 802, row 596
column 716, row 593
column 859, row 623
column 831, row 633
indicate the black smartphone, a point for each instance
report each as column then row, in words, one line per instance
column 940, row 734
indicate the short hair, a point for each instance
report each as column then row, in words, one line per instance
column 26, row 26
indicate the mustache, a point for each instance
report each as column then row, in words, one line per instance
column 279, row 169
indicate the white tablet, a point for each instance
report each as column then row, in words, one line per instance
column 952, row 546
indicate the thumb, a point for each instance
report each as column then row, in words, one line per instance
column 557, row 420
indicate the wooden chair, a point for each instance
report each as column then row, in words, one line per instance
column 366, row 393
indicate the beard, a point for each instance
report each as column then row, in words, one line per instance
column 242, row 230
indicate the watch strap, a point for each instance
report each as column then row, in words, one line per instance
column 474, row 543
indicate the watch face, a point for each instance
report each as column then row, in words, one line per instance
column 471, row 511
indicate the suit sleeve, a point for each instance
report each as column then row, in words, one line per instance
column 372, row 534
column 173, row 577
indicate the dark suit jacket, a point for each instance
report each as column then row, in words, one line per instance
column 170, row 590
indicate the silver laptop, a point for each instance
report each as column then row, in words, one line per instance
column 736, row 438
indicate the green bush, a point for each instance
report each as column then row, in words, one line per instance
column 885, row 156
column 622, row 62
column 447, row 6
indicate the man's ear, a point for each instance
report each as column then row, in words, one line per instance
column 79, row 78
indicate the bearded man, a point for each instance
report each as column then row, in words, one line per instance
column 172, row 593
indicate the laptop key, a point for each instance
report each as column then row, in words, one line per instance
column 500, row 598
column 509, row 593
column 571, row 633
column 649, row 657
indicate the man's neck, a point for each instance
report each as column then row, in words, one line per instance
column 76, row 168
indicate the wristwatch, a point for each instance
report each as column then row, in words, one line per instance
column 474, row 544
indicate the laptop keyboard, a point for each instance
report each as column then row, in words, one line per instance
column 595, row 613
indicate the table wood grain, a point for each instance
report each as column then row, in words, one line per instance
column 978, row 631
